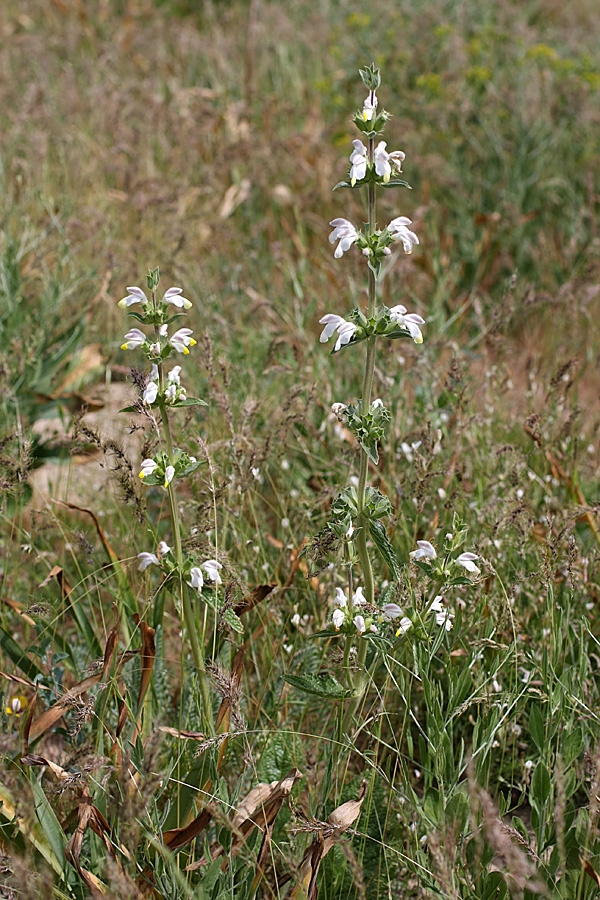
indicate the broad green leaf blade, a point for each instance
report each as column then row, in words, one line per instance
column 18, row 656
column 319, row 685
column 233, row 621
column 381, row 540
column 189, row 401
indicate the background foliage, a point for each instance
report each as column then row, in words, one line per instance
column 205, row 137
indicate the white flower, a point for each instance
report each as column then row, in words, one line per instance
column 391, row 611
column 163, row 548
column 169, row 475
column 410, row 321
column 338, row 618
column 134, row 295
column 442, row 616
column 16, row 705
column 148, row 468
column 211, row 567
column 173, row 376
column 333, row 323
column 369, row 107
column 163, row 330
column 181, row 340
column 155, row 349
column 295, row 620
column 197, row 581
column 150, row 393
column 384, row 161
column 359, row 624
column 154, row 372
column 172, row 296
column 466, row 560
column 171, row 393
column 400, row 232
column 358, row 598
column 358, row 170
column 344, row 232
column 404, row 625
column 337, row 409
column 147, row 559
column 134, row 339
column 425, row 551
column 340, row 597
column 376, row 403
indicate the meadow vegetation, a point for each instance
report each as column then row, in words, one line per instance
column 205, row 138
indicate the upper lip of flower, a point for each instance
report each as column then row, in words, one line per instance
column 333, row 323
column 147, row 559
column 400, row 232
column 424, row 550
column 369, row 106
column 410, row 321
column 133, row 339
column 345, row 232
column 150, row 392
column 148, row 467
column 384, row 161
column 173, row 296
column 467, row 561
column 134, row 295
column 181, row 340
column 211, row 567
column 359, row 160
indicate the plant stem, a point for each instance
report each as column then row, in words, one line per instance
column 189, row 617
column 361, row 540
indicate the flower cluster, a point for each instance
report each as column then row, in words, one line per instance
column 448, row 566
column 383, row 162
column 392, row 323
column 160, row 469
column 346, row 619
column 157, row 313
column 163, row 557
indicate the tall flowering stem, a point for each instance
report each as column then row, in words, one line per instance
column 163, row 392
column 357, row 512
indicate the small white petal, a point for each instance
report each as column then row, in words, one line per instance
column 147, row 559
column 425, row 551
column 338, row 618
column 359, row 624
column 340, row 597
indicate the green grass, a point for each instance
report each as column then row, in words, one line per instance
column 128, row 137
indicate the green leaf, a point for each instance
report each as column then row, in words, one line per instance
column 494, row 887
column 536, row 727
column 571, row 746
column 370, row 448
column 324, row 633
column 347, row 184
column 189, row 401
column 395, row 182
column 18, row 656
column 540, row 784
column 319, row 685
column 381, row 540
column 233, row 621
column 129, row 409
column 48, row 821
